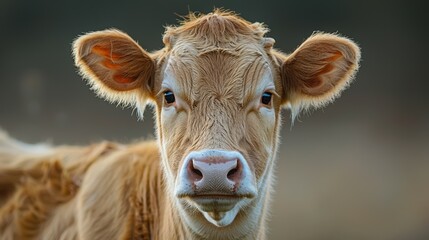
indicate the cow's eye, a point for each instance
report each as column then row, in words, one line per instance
column 266, row 98
column 169, row 97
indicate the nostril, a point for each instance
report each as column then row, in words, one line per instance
column 234, row 173
column 195, row 174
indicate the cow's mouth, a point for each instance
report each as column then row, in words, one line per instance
column 216, row 196
column 219, row 209
column 215, row 203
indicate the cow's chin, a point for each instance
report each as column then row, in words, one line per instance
column 221, row 219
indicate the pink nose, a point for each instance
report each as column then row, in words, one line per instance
column 211, row 173
column 215, row 174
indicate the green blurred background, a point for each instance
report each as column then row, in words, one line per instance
column 357, row 169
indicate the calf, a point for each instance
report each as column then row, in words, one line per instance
column 217, row 89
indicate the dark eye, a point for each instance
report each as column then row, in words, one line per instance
column 266, row 98
column 169, row 97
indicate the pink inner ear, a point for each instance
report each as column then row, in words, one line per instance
column 316, row 81
column 334, row 57
column 110, row 59
column 111, row 65
column 313, row 82
column 106, row 53
column 119, row 78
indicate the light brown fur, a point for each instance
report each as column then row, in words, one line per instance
column 218, row 65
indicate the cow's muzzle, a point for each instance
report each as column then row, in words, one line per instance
column 216, row 182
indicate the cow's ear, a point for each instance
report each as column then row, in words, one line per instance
column 317, row 72
column 116, row 67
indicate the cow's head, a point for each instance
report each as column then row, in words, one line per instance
column 218, row 87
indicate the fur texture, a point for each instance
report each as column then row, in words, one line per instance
column 219, row 67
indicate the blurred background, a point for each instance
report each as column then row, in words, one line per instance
column 358, row 169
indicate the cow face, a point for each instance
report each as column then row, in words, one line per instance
column 218, row 99
column 218, row 118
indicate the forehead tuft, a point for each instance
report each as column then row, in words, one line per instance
column 214, row 28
